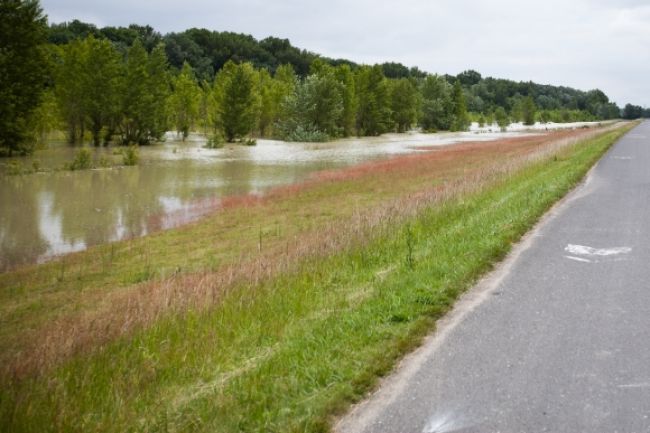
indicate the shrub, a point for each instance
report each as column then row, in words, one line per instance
column 130, row 156
column 83, row 160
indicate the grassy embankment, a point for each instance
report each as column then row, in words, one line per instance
column 292, row 341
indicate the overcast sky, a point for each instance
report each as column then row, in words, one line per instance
column 579, row 43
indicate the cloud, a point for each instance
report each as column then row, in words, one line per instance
column 581, row 43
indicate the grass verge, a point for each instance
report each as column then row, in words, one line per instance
column 292, row 351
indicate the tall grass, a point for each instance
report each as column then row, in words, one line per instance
column 286, row 349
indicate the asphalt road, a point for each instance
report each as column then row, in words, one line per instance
column 557, row 339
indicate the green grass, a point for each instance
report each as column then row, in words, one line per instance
column 296, row 350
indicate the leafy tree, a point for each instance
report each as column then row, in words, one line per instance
column 404, row 104
column 159, row 88
column 469, row 78
column 136, row 98
column 461, row 119
column 100, row 80
column 345, row 77
column 268, row 107
column 501, row 118
column 528, row 111
column 45, row 118
column 205, row 106
column 145, row 93
column 69, row 89
column 285, row 85
column 373, row 101
column 437, row 105
column 544, row 116
column 184, row 100
column 314, row 110
column 23, row 71
column 238, row 102
column 632, row 112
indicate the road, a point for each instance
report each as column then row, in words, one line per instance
column 557, row 339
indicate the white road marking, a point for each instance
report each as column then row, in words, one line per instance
column 578, row 259
column 442, row 423
column 636, row 385
column 623, row 157
column 582, row 250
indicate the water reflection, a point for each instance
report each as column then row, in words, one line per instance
column 46, row 214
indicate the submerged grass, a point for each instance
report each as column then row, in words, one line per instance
column 294, row 350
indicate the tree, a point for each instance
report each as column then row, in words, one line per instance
column 238, row 102
column 528, row 111
column 461, row 119
column 437, row 105
column 404, row 104
column 158, row 86
column 69, row 90
column 100, row 81
column 469, row 78
column 314, row 111
column 145, row 92
column 184, row 100
column 631, row 112
column 88, row 88
column 23, row 71
column 501, row 117
column 345, row 77
column 373, row 101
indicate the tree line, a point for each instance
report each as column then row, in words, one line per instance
column 129, row 85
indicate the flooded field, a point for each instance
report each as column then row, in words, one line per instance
column 56, row 212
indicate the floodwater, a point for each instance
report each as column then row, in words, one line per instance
column 55, row 212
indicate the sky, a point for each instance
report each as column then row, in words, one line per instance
column 584, row 44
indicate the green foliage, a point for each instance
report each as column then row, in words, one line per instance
column 405, row 103
column 632, row 112
column 373, row 101
column 146, row 89
column 306, row 134
column 45, row 118
column 23, row 71
column 345, row 77
column 130, row 155
column 528, row 111
column 437, row 104
column 237, row 100
column 83, row 160
column 460, row 120
column 314, row 111
column 184, row 100
column 501, row 118
column 215, row 141
column 207, row 52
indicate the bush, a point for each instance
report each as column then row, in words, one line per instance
column 250, row 142
column 310, row 135
column 130, row 156
column 83, row 160
column 215, row 142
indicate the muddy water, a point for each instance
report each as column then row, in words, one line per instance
column 56, row 212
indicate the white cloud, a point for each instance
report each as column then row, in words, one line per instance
column 580, row 43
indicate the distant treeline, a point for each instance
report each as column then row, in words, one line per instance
column 131, row 84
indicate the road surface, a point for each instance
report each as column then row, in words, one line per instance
column 557, row 339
